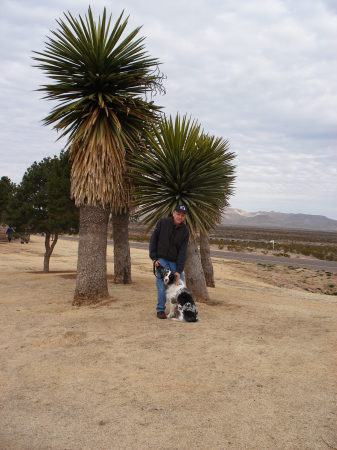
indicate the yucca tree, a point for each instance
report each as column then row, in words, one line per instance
column 183, row 166
column 120, row 222
column 220, row 147
column 206, row 260
column 100, row 78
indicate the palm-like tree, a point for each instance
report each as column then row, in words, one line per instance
column 217, row 146
column 120, row 223
column 100, row 81
column 181, row 165
column 206, row 260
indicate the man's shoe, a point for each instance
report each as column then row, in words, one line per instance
column 161, row 315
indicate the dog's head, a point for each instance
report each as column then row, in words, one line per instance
column 189, row 312
column 168, row 276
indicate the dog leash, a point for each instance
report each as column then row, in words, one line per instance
column 160, row 268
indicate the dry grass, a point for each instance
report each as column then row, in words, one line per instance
column 257, row 371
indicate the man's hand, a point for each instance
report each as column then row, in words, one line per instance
column 177, row 274
column 157, row 263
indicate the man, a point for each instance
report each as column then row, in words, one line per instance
column 9, row 233
column 168, row 248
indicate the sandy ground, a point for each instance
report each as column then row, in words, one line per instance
column 257, row 372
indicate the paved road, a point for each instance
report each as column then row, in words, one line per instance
column 314, row 264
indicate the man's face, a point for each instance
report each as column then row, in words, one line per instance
column 178, row 217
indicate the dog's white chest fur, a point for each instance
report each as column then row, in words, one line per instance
column 182, row 306
column 173, row 290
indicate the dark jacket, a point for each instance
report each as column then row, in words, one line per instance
column 170, row 241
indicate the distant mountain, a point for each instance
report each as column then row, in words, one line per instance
column 273, row 219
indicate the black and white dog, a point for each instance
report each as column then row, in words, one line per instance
column 182, row 306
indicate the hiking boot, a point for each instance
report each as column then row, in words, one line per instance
column 161, row 315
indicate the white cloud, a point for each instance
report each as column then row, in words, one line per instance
column 261, row 74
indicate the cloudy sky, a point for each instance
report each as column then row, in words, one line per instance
column 260, row 73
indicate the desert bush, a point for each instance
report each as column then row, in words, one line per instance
column 235, row 248
column 320, row 251
column 324, row 251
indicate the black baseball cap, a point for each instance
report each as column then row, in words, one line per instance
column 181, row 209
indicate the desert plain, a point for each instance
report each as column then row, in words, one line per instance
column 258, row 371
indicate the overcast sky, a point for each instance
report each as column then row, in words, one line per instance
column 261, row 74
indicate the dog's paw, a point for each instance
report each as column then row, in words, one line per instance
column 170, row 315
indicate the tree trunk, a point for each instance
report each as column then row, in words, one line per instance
column 206, row 260
column 195, row 279
column 122, row 259
column 91, row 277
column 49, row 250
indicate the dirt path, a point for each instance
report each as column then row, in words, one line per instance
column 257, row 372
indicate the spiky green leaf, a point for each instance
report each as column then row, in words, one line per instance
column 182, row 165
column 99, row 79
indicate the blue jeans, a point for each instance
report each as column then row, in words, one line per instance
column 161, row 302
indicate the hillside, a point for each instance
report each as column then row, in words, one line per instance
column 274, row 219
